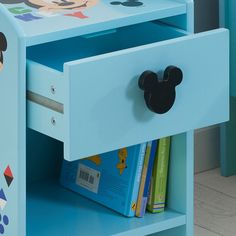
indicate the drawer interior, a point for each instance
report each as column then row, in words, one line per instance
column 55, row 54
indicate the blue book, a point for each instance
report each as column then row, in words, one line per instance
column 111, row 179
column 148, row 178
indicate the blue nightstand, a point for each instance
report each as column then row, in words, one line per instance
column 69, row 89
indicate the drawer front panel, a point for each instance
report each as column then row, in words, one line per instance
column 105, row 108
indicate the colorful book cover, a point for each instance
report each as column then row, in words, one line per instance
column 146, row 177
column 143, row 179
column 157, row 196
column 111, row 179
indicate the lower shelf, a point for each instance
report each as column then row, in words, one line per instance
column 53, row 210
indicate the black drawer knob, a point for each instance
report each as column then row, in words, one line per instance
column 160, row 95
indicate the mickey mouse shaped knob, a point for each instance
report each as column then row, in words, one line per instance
column 160, row 95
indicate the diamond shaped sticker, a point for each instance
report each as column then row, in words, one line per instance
column 3, row 199
column 8, row 176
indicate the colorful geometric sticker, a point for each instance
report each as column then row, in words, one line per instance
column 8, row 176
column 3, row 199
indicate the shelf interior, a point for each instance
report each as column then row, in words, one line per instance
column 53, row 210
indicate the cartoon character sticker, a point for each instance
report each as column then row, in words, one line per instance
column 3, row 48
column 55, row 5
column 40, row 9
column 122, row 154
column 95, row 159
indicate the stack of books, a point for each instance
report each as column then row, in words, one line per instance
column 129, row 180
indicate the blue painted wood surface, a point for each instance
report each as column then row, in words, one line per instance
column 180, row 183
column 118, row 92
column 231, row 24
column 228, row 137
column 52, row 210
column 56, row 211
column 12, row 127
column 228, row 130
column 47, row 201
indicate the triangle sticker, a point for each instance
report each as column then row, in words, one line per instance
column 8, row 180
column 8, row 172
column 2, row 195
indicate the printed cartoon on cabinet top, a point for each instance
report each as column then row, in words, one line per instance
column 3, row 48
column 31, row 10
column 45, row 20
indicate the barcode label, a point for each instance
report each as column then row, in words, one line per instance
column 91, row 179
column 88, row 178
column 84, row 175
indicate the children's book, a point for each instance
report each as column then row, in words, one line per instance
column 157, row 195
column 146, row 177
column 143, row 179
column 111, row 179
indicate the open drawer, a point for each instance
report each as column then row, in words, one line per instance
column 84, row 90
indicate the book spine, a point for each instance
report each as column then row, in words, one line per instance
column 160, row 173
column 148, row 178
column 143, row 179
column 132, row 203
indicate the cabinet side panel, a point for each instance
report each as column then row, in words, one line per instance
column 228, row 137
column 230, row 7
column 12, row 127
column 228, row 134
column 180, row 231
column 180, row 186
column 185, row 21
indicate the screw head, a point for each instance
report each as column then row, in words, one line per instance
column 53, row 121
column 53, row 89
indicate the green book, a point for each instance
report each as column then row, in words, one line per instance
column 158, row 185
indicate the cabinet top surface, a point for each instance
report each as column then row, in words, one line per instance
column 48, row 20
